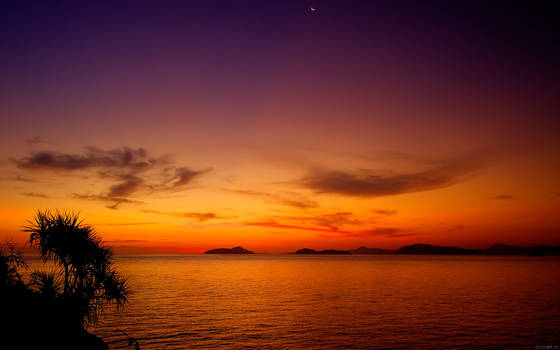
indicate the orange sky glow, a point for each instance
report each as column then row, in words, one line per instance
column 277, row 131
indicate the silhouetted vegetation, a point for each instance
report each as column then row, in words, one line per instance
column 10, row 262
column 85, row 264
column 57, row 306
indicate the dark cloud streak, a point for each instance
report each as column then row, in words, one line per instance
column 133, row 170
column 38, row 140
column 334, row 232
column 367, row 183
column 298, row 202
column 390, row 232
column 385, row 212
column 504, row 197
column 99, row 197
column 23, row 179
column 191, row 215
column 128, row 186
column 93, row 157
column 35, row 194
column 125, row 224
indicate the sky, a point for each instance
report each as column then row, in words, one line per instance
column 175, row 126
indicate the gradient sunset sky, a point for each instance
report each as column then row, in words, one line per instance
column 176, row 126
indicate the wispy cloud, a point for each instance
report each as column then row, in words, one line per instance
column 385, row 212
column 128, row 185
column 455, row 228
column 288, row 199
column 368, row 183
column 191, row 215
column 35, row 140
column 93, row 157
column 331, row 221
column 35, row 194
column 126, row 241
column 328, row 230
column 133, row 171
column 116, row 201
column 273, row 224
column 336, row 222
column 504, row 197
column 124, row 224
column 390, row 232
column 24, row 179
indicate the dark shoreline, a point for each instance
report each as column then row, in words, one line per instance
column 52, row 329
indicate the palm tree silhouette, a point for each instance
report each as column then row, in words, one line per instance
column 86, row 265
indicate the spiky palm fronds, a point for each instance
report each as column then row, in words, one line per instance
column 89, row 280
column 47, row 284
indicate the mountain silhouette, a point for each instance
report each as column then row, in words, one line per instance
column 365, row 250
column 234, row 250
column 504, row 249
column 433, row 249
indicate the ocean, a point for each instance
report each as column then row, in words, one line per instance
column 290, row 301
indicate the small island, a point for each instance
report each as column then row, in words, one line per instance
column 234, row 250
column 433, row 249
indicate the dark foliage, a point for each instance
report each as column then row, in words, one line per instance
column 89, row 281
column 9, row 264
column 54, row 308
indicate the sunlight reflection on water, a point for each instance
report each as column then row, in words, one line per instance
column 289, row 301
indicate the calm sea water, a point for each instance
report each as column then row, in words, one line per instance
column 337, row 302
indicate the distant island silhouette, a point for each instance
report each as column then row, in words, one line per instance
column 421, row 248
column 500, row 249
column 234, row 250
column 365, row 250
column 433, row 249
